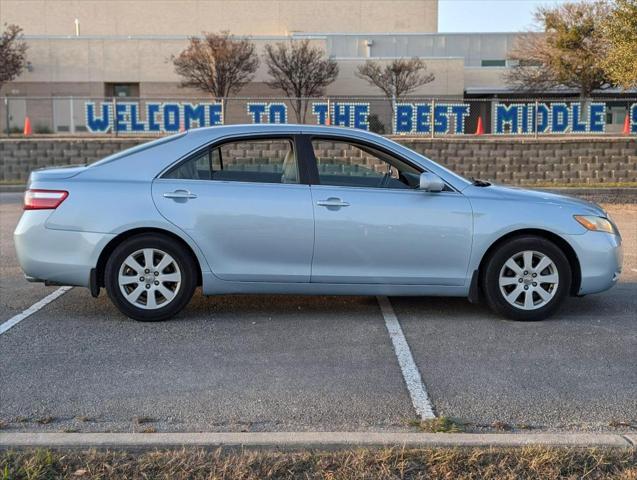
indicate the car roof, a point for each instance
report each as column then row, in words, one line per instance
column 225, row 130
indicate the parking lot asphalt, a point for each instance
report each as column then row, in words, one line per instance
column 292, row 363
column 16, row 294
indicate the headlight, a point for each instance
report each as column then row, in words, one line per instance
column 596, row 224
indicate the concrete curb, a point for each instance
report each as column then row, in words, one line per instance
column 585, row 190
column 306, row 440
column 599, row 195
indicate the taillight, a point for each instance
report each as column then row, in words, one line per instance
column 43, row 199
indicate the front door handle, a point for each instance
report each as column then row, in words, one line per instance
column 332, row 203
column 180, row 194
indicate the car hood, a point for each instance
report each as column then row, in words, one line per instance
column 537, row 196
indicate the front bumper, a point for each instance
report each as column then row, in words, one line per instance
column 61, row 257
column 600, row 256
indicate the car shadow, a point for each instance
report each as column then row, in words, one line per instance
column 619, row 301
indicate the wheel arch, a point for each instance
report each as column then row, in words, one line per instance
column 115, row 242
column 562, row 244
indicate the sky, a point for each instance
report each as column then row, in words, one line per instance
column 488, row 15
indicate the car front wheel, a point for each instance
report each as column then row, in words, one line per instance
column 150, row 277
column 527, row 278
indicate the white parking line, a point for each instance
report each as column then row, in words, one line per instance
column 412, row 377
column 32, row 309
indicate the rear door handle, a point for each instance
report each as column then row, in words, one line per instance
column 180, row 194
column 332, row 202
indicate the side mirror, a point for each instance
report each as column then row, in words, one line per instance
column 431, row 183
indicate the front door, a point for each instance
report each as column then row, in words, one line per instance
column 373, row 225
column 243, row 204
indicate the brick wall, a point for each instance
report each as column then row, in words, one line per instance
column 509, row 160
column 18, row 157
column 526, row 161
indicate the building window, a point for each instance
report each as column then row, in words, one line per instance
column 494, row 63
column 616, row 115
column 121, row 89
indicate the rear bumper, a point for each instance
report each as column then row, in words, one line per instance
column 600, row 256
column 62, row 257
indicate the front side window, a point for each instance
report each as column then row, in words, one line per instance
column 262, row 161
column 351, row 165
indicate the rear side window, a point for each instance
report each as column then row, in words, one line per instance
column 198, row 167
column 262, row 161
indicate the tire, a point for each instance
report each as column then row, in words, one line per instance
column 519, row 292
column 150, row 294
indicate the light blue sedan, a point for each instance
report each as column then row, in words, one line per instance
column 302, row 209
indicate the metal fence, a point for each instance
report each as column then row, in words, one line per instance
column 433, row 117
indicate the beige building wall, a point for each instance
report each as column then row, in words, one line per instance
column 131, row 42
column 81, row 66
column 448, row 82
column 241, row 17
column 485, row 79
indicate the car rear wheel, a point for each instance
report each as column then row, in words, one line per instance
column 527, row 278
column 150, row 277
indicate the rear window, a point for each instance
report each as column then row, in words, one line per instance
column 138, row 148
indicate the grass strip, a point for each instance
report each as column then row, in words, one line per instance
column 395, row 463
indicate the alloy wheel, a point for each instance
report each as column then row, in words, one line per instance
column 149, row 278
column 529, row 280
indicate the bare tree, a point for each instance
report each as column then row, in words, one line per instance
column 13, row 53
column 218, row 64
column 397, row 78
column 568, row 53
column 301, row 71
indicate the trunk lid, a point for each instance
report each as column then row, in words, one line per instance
column 55, row 173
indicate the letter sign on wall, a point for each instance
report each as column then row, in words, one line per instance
column 165, row 117
column 439, row 118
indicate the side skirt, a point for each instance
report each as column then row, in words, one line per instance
column 213, row 286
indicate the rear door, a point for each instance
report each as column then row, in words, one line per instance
column 244, row 203
column 373, row 224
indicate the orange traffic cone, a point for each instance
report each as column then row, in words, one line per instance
column 480, row 127
column 181, row 126
column 27, row 127
column 627, row 125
